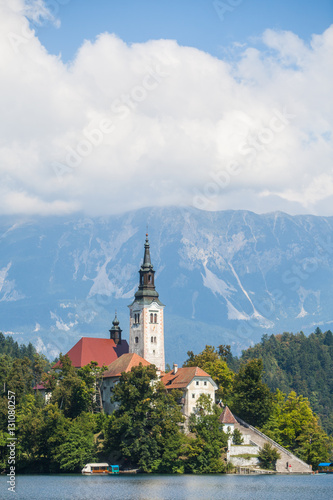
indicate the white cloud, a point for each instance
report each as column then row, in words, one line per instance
column 121, row 127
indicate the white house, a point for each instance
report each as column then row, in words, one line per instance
column 192, row 381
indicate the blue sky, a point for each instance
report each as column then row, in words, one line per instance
column 217, row 105
column 204, row 24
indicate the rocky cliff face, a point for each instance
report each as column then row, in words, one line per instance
column 225, row 277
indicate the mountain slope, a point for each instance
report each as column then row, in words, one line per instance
column 225, row 277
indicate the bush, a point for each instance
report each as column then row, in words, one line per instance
column 268, row 457
column 237, row 437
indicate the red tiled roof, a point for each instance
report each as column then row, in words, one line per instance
column 88, row 349
column 38, row 387
column 227, row 417
column 124, row 364
column 182, row 377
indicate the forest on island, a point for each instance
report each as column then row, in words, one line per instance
column 295, row 362
column 147, row 429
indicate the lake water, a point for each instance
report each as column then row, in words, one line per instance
column 170, row 487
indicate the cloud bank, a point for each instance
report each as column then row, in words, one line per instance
column 122, row 127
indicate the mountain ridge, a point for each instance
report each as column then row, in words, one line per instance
column 226, row 277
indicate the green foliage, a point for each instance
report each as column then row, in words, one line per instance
column 11, row 348
column 73, row 390
column 145, row 428
column 268, row 457
column 302, row 364
column 203, row 452
column 15, row 375
column 252, row 399
column 294, row 425
column 237, row 438
column 78, row 448
column 247, row 456
column 50, row 442
column 214, row 363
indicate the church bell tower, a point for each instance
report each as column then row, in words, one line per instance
column 115, row 332
column 146, row 316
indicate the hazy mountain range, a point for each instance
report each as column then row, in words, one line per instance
column 225, row 277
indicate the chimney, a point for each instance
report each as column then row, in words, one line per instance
column 175, row 368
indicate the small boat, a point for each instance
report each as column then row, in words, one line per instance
column 325, row 468
column 100, row 469
column 129, row 471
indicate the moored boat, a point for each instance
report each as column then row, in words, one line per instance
column 325, row 468
column 100, row 469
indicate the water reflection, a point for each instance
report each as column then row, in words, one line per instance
column 144, row 487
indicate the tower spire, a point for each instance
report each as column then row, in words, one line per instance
column 146, row 256
column 146, row 291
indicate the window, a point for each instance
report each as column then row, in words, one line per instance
column 149, row 278
column 151, row 339
column 193, row 396
column 153, row 352
column 138, row 318
column 155, row 340
column 197, row 382
column 205, row 382
column 134, row 318
column 136, row 340
column 151, row 317
column 155, row 318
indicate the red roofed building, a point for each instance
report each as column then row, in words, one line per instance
column 88, row 349
column 227, row 417
column 103, row 351
column 43, row 391
column 111, row 376
column 192, row 381
column 228, row 421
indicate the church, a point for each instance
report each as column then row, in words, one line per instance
column 146, row 346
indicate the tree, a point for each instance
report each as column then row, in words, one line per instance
column 203, row 452
column 268, row 457
column 50, row 442
column 302, row 364
column 70, row 391
column 294, row 425
column 237, row 438
column 145, row 428
column 252, row 399
column 92, row 375
column 39, row 365
column 20, row 378
column 78, row 448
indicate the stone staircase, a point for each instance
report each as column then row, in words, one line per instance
column 288, row 463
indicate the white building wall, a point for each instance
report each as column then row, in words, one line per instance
column 194, row 390
column 150, row 345
column 107, row 386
